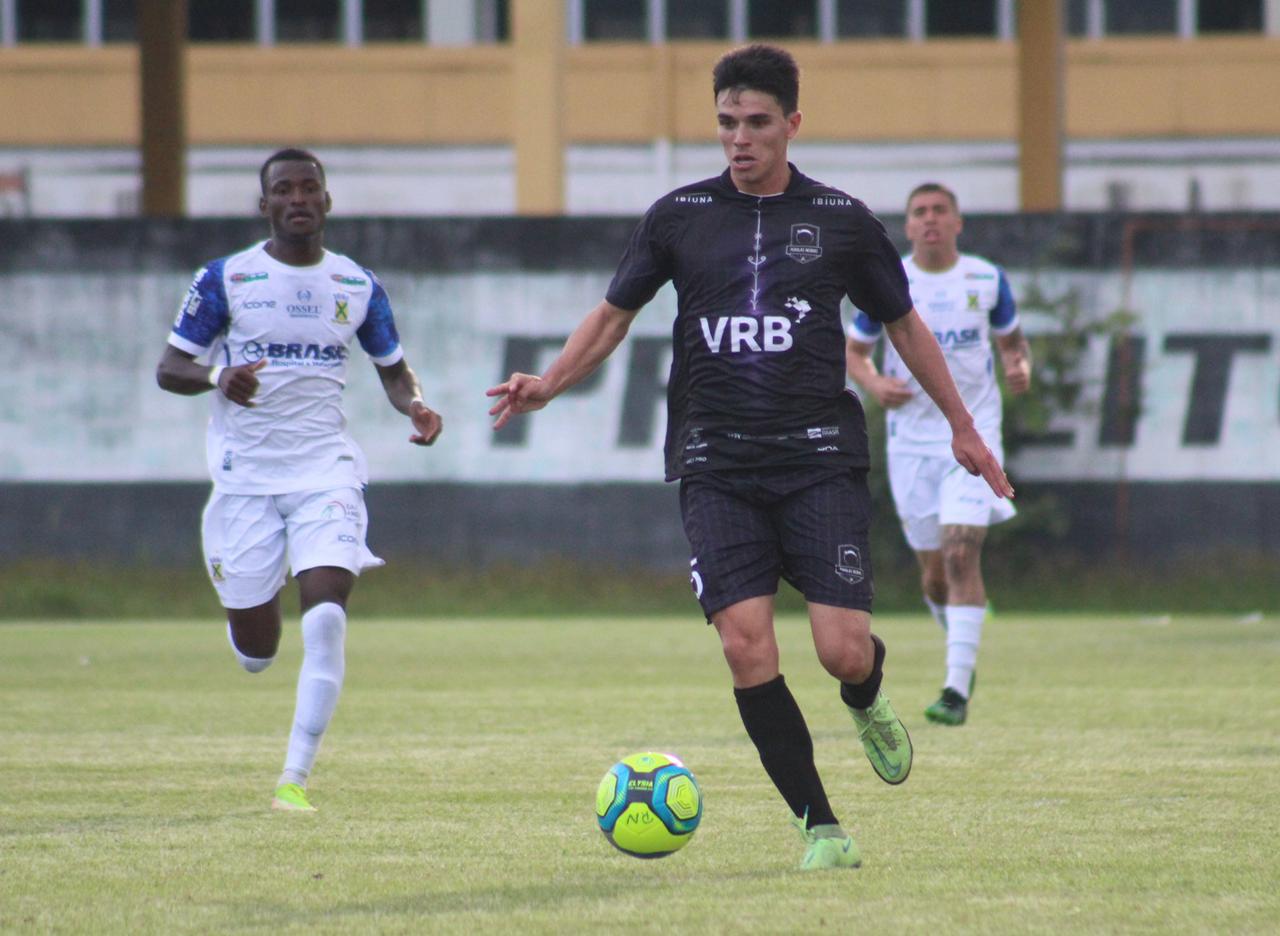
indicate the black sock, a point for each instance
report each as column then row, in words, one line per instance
column 862, row 694
column 777, row 728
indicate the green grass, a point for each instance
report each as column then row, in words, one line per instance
column 1117, row 775
column 1018, row 578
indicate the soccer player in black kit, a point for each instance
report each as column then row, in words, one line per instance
column 769, row 447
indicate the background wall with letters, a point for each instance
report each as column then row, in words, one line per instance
column 1173, row 445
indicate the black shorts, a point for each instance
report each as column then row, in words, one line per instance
column 807, row 525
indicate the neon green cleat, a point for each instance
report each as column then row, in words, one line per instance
column 951, row 709
column 885, row 740
column 291, row 797
column 829, row 847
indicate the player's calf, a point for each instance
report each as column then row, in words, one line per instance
column 250, row 664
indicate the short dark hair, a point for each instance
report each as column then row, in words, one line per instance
column 759, row 67
column 928, row 188
column 288, row 154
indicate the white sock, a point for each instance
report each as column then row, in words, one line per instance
column 324, row 630
column 964, row 633
column 938, row 611
column 252, row 664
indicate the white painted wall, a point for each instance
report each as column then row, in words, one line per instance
column 78, row 399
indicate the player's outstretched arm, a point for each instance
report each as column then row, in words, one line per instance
column 405, row 393
column 919, row 350
column 592, row 341
column 179, row 372
column 890, row 392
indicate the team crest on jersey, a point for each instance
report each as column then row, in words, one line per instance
column 806, row 243
column 973, row 300
column 215, row 569
column 341, row 308
column 849, row 563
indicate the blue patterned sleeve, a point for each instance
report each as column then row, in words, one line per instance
column 1004, row 314
column 378, row 334
column 865, row 329
column 204, row 314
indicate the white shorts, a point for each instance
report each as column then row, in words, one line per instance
column 251, row 539
column 930, row 493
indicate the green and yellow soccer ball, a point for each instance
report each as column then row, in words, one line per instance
column 648, row 805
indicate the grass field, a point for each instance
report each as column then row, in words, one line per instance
column 1118, row 775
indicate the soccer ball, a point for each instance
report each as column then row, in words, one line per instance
column 648, row 805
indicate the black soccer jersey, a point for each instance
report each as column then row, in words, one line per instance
column 758, row 370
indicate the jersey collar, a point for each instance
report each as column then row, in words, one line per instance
column 798, row 179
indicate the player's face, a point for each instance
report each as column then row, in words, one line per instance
column 296, row 202
column 754, row 133
column 933, row 223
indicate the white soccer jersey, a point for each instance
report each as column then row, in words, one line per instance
column 963, row 306
column 249, row 307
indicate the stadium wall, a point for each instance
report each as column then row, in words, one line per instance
column 1172, row 449
column 1151, row 123
column 855, row 91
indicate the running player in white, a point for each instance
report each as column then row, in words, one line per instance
column 269, row 330
column 944, row 510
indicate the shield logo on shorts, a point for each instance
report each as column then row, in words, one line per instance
column 849, row 564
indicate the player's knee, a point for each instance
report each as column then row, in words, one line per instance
column 961, row 560
column 934, row 587
column 749, row 655
column 324, row 628
column 849, row 662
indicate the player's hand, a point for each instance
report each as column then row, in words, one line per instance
column 240, row 384
column 1017, row 372
column 521, row 393
column 891, row 392
column 427, row 421
column 976, row 458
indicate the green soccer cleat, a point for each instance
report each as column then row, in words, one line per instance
column 885, row 740
column 290, row 797
column 829, row 847
column 951, row 709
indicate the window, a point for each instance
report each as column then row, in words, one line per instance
column 49, row 21
column 971, row 18
column 1142, row 16
column 1077, row 17
column 1229, row 16
column 697, row 19
column 871, row 18
column 393, row 20
column 308, row 20
column 220, row 20
column 614, row 19
column 493, row 23
column 119, row 21
column 798, row 18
